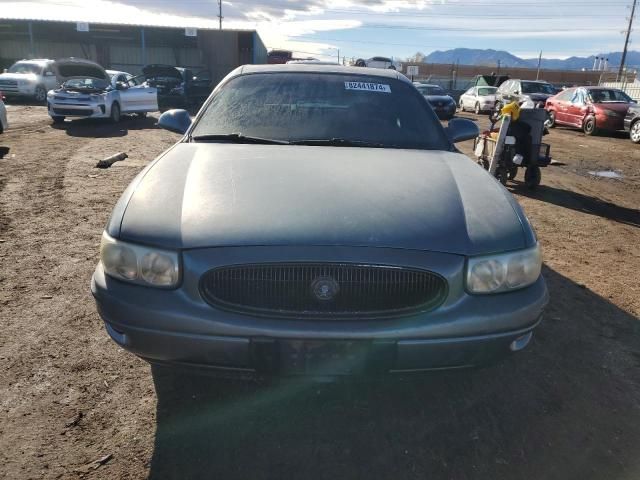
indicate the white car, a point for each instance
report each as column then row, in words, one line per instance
column 30, row 79
column 379, row 62
column 90, row 92
column 478, row 99
column 3, row 116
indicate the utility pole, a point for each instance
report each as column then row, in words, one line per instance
column 220, row 12
column 539, row 62
column 626, row 40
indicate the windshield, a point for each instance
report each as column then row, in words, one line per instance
column 86, row 84
column 538, row 87
column 25, row 68
column 295, row 107
column 431, row 90
column 609, row 96
column 487, row 91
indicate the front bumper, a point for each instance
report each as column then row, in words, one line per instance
column 84, row 109
column 178, row 327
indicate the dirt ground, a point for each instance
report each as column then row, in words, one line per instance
column 75, row 405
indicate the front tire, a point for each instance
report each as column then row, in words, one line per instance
column 502, row 175
column 115, row 113
column 551, row 120
column 589, row 126
column 634, row 133
column 360, row 63
column 40, row 94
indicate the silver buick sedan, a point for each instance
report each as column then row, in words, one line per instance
column 318, row 220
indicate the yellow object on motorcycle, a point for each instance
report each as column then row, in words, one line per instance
column 512, row 109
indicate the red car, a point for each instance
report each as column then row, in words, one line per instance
column 589, row 108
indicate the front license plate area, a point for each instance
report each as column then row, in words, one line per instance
column 323, row 357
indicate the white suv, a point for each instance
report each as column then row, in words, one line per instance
column 379, row 62
column 30, row 78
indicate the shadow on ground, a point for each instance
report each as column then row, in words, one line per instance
column 565, row 408
column 579, row 202
column 103, row 128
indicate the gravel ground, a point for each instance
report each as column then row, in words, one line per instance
column 75, row 405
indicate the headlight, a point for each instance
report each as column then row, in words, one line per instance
column 503, row 272
column 138, row 264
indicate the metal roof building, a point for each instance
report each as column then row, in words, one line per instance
column 128, row 47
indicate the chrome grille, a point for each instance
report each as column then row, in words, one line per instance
column 327, row 290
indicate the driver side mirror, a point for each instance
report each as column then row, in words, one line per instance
column 461, row 129
column 121, row 86
column 176, row 121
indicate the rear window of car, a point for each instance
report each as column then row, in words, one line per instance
column 317, row 106
column 538, row 87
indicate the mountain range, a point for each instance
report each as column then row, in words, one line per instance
column 470, row 56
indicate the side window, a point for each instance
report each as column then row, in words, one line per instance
column 578, row 98
column 566, row 96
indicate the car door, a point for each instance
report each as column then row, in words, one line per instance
column 577, row 108
column 468, row 98
column 201, row 85
column 561, row 104
column 49, row 78
column 138, row 97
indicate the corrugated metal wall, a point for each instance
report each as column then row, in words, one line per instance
column 119, row 47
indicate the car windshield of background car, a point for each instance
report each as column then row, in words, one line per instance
column 86, row 84
column 23, row 67
column 535, row 87
column 303, row 106
column 487, row 91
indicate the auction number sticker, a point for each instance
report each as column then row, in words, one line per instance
column 368, row 87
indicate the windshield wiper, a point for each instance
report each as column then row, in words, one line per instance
column 236, row 138
column 340, row 142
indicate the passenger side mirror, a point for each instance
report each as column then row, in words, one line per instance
column 176, row 121
column 461, row 129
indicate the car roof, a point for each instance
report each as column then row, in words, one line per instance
column 418, row 84
column 530, row 81
column 35, row 60
column 315, row 68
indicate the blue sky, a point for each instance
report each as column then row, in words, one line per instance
column 398, row 28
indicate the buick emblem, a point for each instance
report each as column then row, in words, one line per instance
column 325, row 288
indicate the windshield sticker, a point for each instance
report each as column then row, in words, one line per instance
column 367, row 87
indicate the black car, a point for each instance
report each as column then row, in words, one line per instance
column 632, row 123
column 442, row 103
column 178, row 87
column 522, row 91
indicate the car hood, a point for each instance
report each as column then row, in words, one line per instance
column 438, row 98
column 213, row 195
column 74, row 67
column 161, row 71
